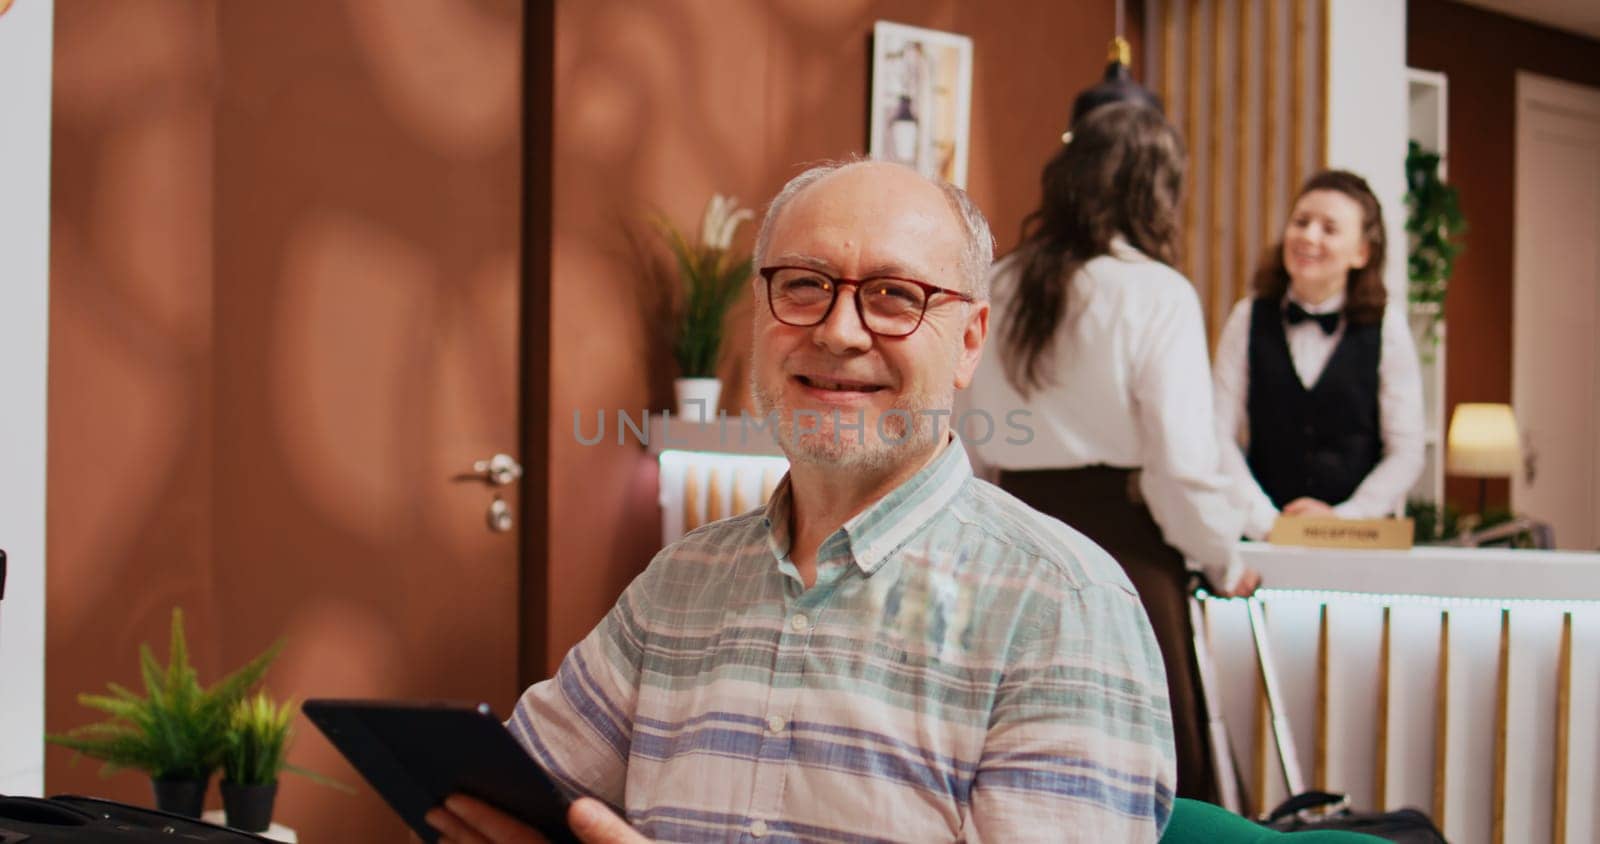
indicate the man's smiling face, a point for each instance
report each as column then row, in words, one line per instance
column 864, row 221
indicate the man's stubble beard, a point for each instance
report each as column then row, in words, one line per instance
column 859, row 450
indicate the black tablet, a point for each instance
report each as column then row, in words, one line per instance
column 417, row 754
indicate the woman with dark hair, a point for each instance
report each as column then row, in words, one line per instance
column 1316, row 375
column 1102, row 367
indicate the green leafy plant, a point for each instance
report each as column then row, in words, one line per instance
column 1435, row 226
column 1432, row 522
column 259, row 732
column 176, row 730
column 257, row 740
column 710, row 278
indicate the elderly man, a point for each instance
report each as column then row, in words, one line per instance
column 890, row 649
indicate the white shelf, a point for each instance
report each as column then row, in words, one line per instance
column 1428, row 96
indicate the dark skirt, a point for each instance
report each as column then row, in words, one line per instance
column 1103, row 504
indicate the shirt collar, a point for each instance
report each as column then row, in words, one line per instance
column 878, row 531
column 1330, row 305
column 1121, row 249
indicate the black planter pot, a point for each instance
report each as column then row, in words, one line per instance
column 181, row 797
column 249, row 807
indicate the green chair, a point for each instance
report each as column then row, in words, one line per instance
column 1198, row 822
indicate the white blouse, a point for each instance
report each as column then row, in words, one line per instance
column 1400, row 423
column 1130, row 389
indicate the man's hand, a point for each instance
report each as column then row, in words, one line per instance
column 465, row 820
column 1307, row 507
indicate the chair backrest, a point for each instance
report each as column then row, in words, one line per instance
column 1198, row 822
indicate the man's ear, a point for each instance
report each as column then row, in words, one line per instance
column 973, row 336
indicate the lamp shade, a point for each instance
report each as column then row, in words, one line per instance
column 1483, row 442
column 1117, row 86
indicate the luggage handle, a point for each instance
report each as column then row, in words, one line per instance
column 1282, row 733
column 1216, row 727
column 1330, row 802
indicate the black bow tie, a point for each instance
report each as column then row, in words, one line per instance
column 1296, row 315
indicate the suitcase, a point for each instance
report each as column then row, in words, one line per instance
column 1305, row 810
column 72, row 820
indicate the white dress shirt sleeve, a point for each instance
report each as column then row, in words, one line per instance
column 1182, row 480
column 1231, row 384
column 1400, row 424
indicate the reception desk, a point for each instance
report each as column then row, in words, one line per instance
column 1464, row 682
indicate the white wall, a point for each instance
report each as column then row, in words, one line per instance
column 25, row 53
column 1367, row 111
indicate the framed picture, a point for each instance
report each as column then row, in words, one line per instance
column 921, row 99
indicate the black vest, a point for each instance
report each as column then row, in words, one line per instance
column 1318, row 443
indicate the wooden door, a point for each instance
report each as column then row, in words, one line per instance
column 290, row 328
column 1555, row 384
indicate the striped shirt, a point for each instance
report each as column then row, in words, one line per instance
column 964, row 668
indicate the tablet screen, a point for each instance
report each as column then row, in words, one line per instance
column 417, row 754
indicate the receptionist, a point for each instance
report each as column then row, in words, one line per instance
column 1318, row 390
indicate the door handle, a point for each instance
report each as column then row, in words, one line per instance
column 499, row 470
column 500, row 520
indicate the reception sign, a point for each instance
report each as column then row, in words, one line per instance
column 1330, row 532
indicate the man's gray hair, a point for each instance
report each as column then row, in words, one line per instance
column 976, row 257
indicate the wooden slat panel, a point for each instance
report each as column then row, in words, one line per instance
column 1169, row 57
column 1270, row 186
column 714, row 507
column 1380, row 780
column 1502, row 701
column 691, row 498
column 1215, row 173
column 1441, row 724
column 1563, row 732
column 1319, row 761
column 1244, row 82
column 1322, row 89
column 1264, row 743
column 1297, row 105
column 1191, row 137
column 741, row 499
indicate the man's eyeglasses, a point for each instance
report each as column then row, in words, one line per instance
column 888, row 306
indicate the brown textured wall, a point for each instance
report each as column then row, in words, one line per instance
column 1481, row 53
column 368, row 227
column 130, row 458
column 657, row 105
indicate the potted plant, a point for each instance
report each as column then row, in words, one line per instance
column 258, row 740
column 710, row 280
column 176, row 731
column 1435, row 225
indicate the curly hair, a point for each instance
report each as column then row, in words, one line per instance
column 1121, row 174
column 1365, row 296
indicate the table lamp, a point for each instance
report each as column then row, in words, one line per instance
column 1483, row 444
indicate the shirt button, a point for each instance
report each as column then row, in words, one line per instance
column 758, row 828
column 775, row 724
column 799, row 622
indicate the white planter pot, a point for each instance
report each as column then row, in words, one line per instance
column 697, row 398
column 1422, row 314
column 1424, row 318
